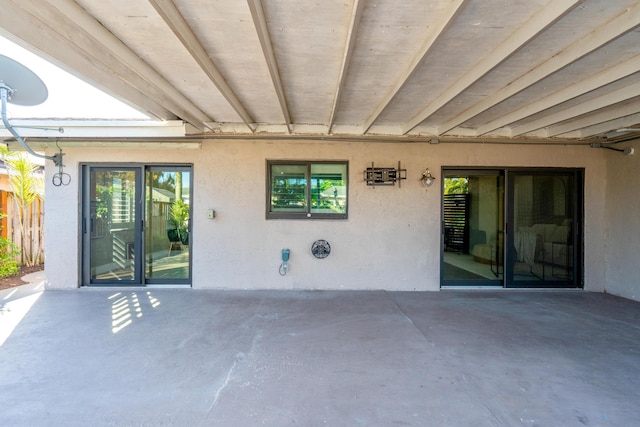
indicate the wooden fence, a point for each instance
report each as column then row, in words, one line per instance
column 33, row 243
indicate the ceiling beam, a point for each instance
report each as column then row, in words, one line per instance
column 260, row 23
column 551, row 13
column 18, row 25
column 582, row 87
column 611, row 125
column 356, row 14
column 615, row 28
column 601, row 116
column 176, row 22
column 91, row 39
column 432, row 37
column 620, row 95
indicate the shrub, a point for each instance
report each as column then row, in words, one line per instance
column 8, row 252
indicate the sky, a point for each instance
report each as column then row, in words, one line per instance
column 69, row 97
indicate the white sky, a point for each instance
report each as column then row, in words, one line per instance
column 69, row 97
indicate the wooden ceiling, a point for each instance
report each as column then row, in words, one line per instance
column 512, row 70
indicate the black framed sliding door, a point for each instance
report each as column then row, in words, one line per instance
column 111, row 230
column 544, row 222
column 136, row 225
column 513, row 228
column 167, row 231
column 472, row 228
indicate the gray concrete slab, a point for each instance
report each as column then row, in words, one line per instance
column 159, row 357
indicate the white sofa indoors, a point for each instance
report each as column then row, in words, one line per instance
column 551, row 243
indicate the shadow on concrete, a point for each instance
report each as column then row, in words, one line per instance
column 147, row 357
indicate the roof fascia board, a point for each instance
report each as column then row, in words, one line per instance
column 96, row 128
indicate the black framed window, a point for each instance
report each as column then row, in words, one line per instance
column 307, row 189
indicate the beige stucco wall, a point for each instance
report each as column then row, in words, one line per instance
column 622, row 267
column 390, row 241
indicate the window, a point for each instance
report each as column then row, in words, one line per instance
column 300, row 189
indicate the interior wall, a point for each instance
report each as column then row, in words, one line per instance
column 623, row 224
column 391, row 239
column 488, row 201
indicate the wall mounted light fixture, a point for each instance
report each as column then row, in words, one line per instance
column 427, row 179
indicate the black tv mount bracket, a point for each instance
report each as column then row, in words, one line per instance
column 375, row 176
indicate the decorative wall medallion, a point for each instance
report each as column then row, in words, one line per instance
column 321, row 249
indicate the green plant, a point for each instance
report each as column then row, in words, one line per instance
column 27, row 187
column 8, row 264
column 8, row 252
column 180, row 218
column 456, row 185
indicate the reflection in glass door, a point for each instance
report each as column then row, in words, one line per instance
column 112, row 235
column 136, row 228
column 167, row 224
column 543, row 218
column 473, row 217
column 513, row 228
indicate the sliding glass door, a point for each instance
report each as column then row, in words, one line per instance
column 515, row 228
column 110, row 227
column 167, row 233
column 135, row 223
column 472, row 232
column 544, row 218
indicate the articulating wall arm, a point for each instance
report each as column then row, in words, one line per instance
column 5, row 92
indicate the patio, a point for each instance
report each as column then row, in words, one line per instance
column 149, row 357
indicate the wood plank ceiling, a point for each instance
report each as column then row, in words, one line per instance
column 517, row 70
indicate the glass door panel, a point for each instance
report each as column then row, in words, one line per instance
column 136, row 225
column 167, row 231
column 522, row 231
column 113, row 216
column 473, row 218
column 543, row 218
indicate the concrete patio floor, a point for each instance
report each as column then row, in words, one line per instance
column 161, row 357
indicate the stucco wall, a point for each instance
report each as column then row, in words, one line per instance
column 390, row 241
column 623, row 225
